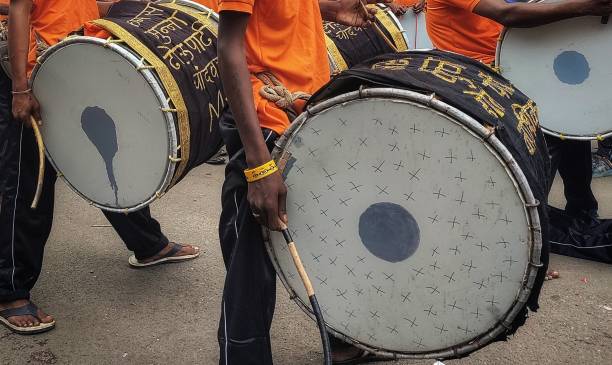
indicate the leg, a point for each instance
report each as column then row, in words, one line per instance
column 23, row 231
column 575, row 169
column 250, row 284
column 140, row 232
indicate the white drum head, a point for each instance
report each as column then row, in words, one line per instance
column 415, row 30
column 103, row 126
column 565, row 68
column 412, row 229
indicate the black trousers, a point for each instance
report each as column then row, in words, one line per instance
column 24, row 231
column 249, row 293
column 573, row 160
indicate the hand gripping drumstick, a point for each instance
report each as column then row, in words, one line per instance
column 41, row 162
column 311, row 295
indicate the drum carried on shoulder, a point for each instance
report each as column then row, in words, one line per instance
column 125, row 118
column 414, row 186
column 565, row 66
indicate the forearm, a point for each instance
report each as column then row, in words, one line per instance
column 522, row 15
column 19, row 42
column 238, row 90
column 328, row 8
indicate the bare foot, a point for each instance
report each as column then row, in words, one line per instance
column 25, row 321
column 186, row 250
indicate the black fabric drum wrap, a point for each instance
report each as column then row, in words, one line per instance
column 189, row 50
column 356, row 45
column 476, row 90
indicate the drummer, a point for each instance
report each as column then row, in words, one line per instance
column 282, row 40
column 23, row 231
column 472, row 28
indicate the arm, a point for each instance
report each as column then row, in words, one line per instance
column 523, row 15
column 349, row 12
column 24, row 103
column 104, row 7
column 266, row 196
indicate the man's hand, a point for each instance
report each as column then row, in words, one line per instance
column 24, row 106
column 420, row 6
column 353, row 13
column 597, row 7
column 268, row 198
column 398, row 9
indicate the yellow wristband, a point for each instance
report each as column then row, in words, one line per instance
column 259, row 172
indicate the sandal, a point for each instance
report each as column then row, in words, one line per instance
column 27, row 310
column 168, row 257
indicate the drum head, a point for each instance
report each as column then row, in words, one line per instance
column 103, row 128
column 415, row 30
column 414, row 232
column 564, row 67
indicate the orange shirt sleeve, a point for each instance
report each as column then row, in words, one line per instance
column 243, row 6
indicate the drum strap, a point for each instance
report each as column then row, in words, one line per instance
column 274, row 91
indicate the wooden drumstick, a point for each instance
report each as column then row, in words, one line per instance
column 41, row 162
column 377, row 28
column 311, row 295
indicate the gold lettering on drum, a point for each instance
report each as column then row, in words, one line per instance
column 161, row 30
column 393, row 65
column 181, row 54
column 146, row 14
column 500, row 88
column 209, row 74
column 445, row 70
column 528, row 123
column 340, row 31
column 214, row 111
column 487, row 102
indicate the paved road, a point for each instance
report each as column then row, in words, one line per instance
column 108, row 313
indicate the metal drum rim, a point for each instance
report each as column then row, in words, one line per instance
column 160, row 94
column 575, row 137
column 511, row 167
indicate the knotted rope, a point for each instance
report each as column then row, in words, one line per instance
column 274, row 91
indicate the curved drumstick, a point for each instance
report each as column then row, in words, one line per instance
column 311, row 295
column 41, row 162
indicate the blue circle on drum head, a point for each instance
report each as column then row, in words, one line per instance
column 571, row 68
column 389, row 231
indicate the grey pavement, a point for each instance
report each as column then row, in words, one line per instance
column 108, row 313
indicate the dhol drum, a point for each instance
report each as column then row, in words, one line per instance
column 564, row 66
column 126, row 118
column 416, row 212
column 415, row 30
column 349, row 46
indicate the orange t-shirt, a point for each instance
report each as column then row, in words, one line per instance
column 211, row 4
column 452, row 26
column 286, row 38
column 53, row 20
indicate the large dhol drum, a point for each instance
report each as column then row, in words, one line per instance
column 565, row 67
column 414, row 186
column 414, row 26
column 126, row 118
column 349, row 46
